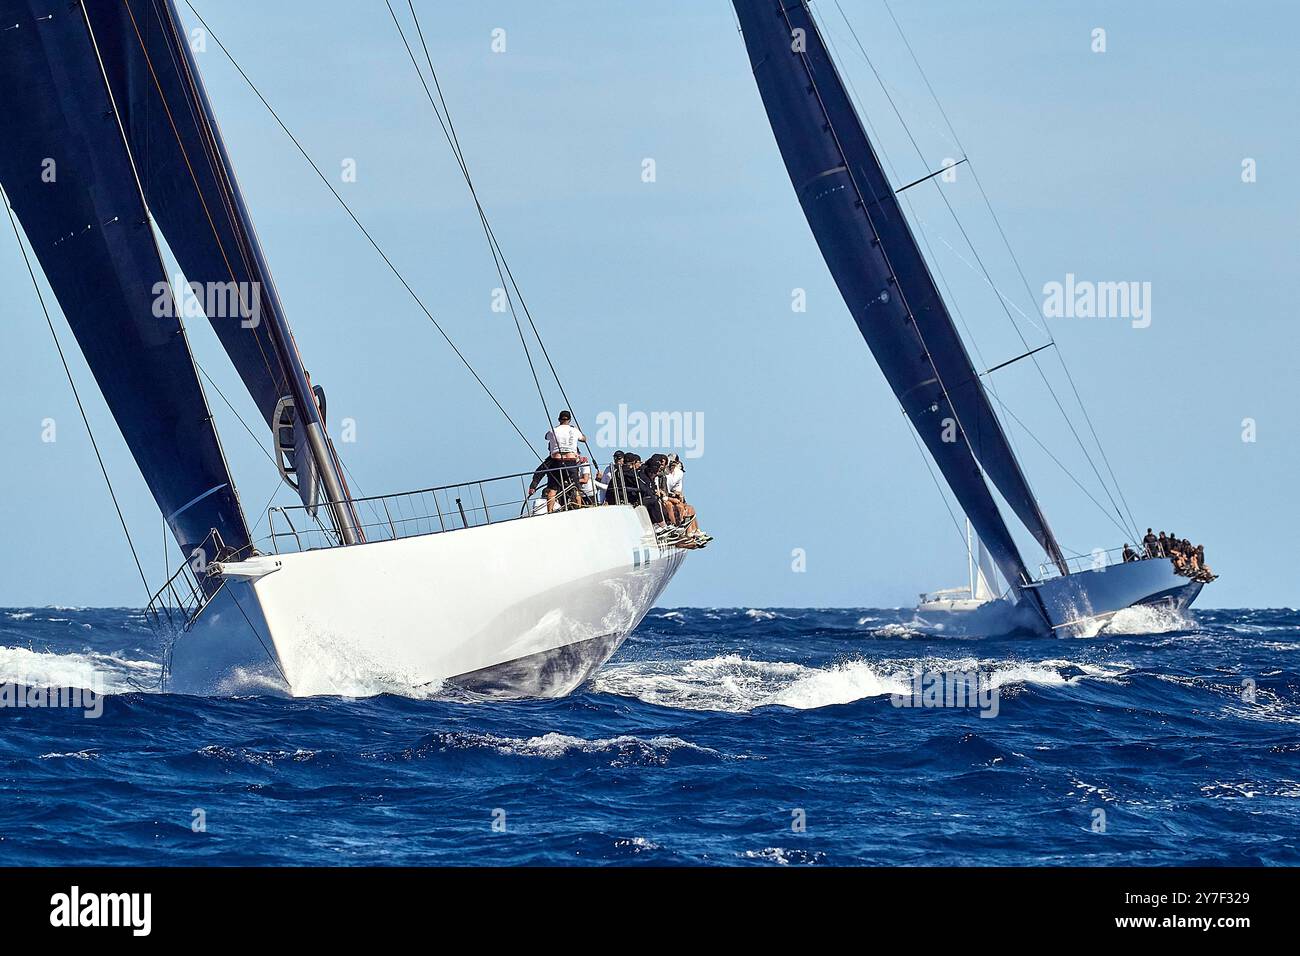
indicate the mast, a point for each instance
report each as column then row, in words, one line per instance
column 970, row 558
column 190, row 185
column 855, row 216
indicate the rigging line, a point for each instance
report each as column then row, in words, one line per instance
column 464, row 169
column 983, row 267
column 1019, row 269
column 488, row 225
column 77, row 395
column 996, row 291
column 924, row 236
column 880, row 80
column 257, row 441
column 916, row 439
column 266, row 509
column 1014, row 258
column 1104, row 510
column 938, row 266
column 364, row 231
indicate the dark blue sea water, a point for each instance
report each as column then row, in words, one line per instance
column 707, row 740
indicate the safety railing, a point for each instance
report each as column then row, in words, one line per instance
column 944, row 594
column 407, row 514
column 1089, row 562
column 178, row 602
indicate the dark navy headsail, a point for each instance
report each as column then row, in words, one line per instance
column 69, row 177
column 190, row 186
column 882, row 274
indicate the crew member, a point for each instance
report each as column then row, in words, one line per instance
column 550, row 471
column 562, row 445
column 1150, row 543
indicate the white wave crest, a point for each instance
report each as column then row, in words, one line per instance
column 1144, row 619
column 552, row 746
column 555, row 745
column 738, row 685
column 102, row 673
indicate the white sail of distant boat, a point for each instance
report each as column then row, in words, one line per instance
column 981, row 587
column 108, row 144
column 984, row 576
column 854, row 212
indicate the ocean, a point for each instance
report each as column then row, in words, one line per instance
column 734, row 737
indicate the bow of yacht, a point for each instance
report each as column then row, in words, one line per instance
column 443, row 591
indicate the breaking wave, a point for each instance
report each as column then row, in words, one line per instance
column 99, row 672
column 738, row 685
column 1149, row 620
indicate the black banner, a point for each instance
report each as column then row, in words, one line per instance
column 212, row 905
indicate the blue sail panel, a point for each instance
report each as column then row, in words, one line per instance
column 190, row 186
column 882, row 274
column 68, row 175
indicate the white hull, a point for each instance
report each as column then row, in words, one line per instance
column 968, row 617
column 952, row 606
column 525, row 608
column 1084, row 601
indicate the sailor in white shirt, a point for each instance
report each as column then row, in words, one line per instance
column 675, row 478
column 562, row 444
column 562, row 440
column 589, row 488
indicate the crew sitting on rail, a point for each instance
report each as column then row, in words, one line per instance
column 1188, row 559
column 656, row 484
column 672, row 483
column 1129, row 554
column 652, row 496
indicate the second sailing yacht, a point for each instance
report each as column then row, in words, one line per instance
column 884, row 279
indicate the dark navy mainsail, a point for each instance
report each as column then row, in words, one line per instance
column 882, row 274
column 66, row 169
column 190, row 186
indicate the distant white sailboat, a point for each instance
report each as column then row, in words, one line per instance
column 980, row 591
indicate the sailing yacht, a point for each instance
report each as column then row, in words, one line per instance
column 108, row 139
column 882, row 274
column 980, row 609
column 979, row 592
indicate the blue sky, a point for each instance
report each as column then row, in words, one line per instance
column 676, row 295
